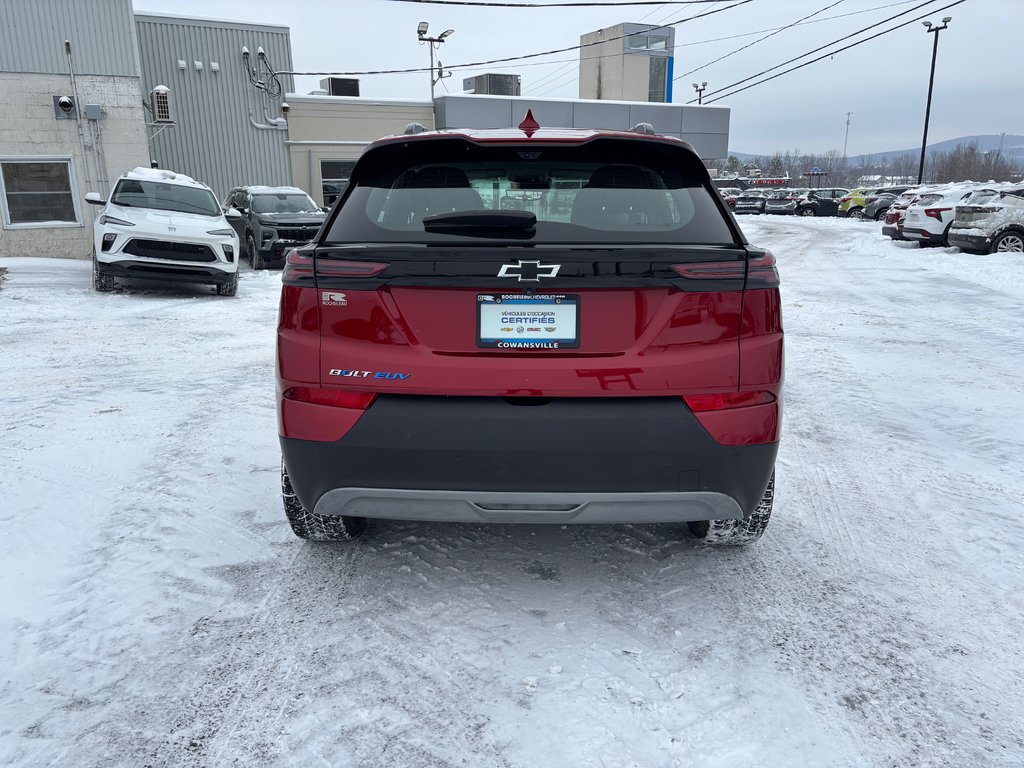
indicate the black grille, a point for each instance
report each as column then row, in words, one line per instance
column 157, row 249
column 299, row 234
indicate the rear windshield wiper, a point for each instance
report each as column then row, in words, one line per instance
column 519, row 220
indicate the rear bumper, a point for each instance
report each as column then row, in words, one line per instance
column 977, row 243
column 181, row 272
column 572, row 460
column 893, row 231
column 922, row 236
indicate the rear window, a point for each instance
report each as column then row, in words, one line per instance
column 603, row 191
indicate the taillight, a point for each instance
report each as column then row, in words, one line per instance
column 738, row 418
column 935, row 213
column 846, row 199
column 298, row 269
column 721, row 401
column 712, row 270
column 869, row 200
column 759, row 270
column 338, row 398
column 333, row 268
column 762, row 272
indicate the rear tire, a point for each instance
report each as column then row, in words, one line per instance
column 309, row 525
column 807, row 211
column 229, row 288
column 880, row 215
column 1009, row 242
column 855, row 213
column 101, row 282
column 737, row 532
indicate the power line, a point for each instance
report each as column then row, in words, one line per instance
column 840, row 50
column 711, row 39
column 819, row 48
column 473, row 64
column 760, row 39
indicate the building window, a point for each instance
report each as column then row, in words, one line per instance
column 658, row 84
column 38, row 192
column 643, row 43
column 334, row 174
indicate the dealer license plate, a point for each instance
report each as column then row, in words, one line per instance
column 528, row 321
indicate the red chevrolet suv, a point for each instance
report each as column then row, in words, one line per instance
column 530, row 326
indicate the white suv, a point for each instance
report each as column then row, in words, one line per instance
column 929, row 218
column 160, row 225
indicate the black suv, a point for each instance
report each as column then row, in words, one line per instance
column 274, row 220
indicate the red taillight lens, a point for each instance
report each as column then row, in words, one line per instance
column 759, row 270
column 869, row 200
column 712, row 270
column 846, row 199
column 298, row 269
column 333, row 268
column 935, row 213
column 721, row 401
column 762, row 272
column 338, row 398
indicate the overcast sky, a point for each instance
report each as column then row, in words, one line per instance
column 884, row 82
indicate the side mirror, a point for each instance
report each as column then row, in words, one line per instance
column 325, row 209
column 232, row 213
column 93, row 198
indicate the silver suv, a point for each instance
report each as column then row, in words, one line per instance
column 991, row 221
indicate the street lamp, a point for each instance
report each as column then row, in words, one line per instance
column 931, row 29
column 700, row 91
column 432, row 44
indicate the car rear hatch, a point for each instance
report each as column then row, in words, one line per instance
column 601, row 295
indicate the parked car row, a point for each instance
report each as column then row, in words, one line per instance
column 799, row 201
column 978, row 218
column 161, row 225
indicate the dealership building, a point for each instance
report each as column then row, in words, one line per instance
column 91, row 90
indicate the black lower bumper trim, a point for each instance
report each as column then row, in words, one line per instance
column 568, row 445
column 141, row 270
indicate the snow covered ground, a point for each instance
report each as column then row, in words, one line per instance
column 156, row 611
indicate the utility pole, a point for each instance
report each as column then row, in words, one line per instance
column 700, row 91
column 432, row 43
column 845, row 140
column 931, row 82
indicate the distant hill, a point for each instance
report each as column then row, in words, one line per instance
column 1013, row 149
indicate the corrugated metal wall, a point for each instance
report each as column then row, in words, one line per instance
column 102, row 35
column 214, row 140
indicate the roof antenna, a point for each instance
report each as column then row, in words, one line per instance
column 529, row 126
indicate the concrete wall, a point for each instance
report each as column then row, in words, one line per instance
column 340, row 127
column 29, row 128
column 609, row 69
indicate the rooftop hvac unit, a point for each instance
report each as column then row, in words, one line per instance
column 340, row 86
column 160, row 99
column 493, row 85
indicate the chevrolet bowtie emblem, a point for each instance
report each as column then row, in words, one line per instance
column 529, row 271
